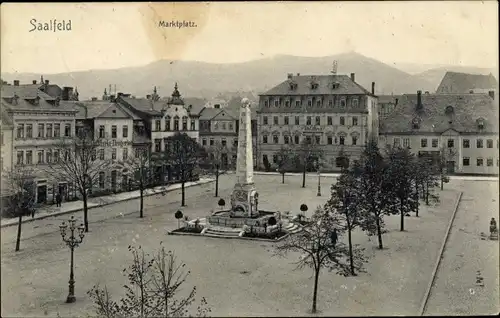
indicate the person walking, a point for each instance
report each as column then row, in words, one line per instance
column 58, row 200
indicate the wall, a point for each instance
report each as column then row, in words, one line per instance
column 7, row 148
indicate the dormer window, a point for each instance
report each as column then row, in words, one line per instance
column 480, row 123
column 415, row 123
column 292, row 85
column 449, row 110
column 266, row 104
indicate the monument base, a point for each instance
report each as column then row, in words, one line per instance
column 244, row 199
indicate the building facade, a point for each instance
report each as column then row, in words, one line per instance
column 332, row 111
column 7, row 134
column 463, row 128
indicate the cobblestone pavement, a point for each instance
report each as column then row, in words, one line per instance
column 468, row 278
column 238, row 278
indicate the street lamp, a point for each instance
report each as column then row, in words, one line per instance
column 319, row 180
column 72, row 241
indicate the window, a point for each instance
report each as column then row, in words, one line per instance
column 342, row 103
column 355, row 120
column 480, row 123
column 204, row 141
column 29, row 157
column 40, row 156
column 157, row 145
column 230, row 126
column 223, row 126
column 266, row 104
column 479, row 162
column 297, row 139
column 57, row 130
column 276, row 103
column 287, row 104
column 406, row 142
column 318, row 120
column 264, row 139
column 318, row 103
column 435, row 143
column 342, row 120
column 286, row 139
column 113, row 154
column 20, row 157
column 49, row 131
column 67, row 130
column 212, row 142
column 489, row 143
column 41, row 130
column 451, row 143
column 185, row 123
column 275, row 139
column 275, row 158
column 101, row 154
column 286, row 120
column 308, row 140
column 56, row 156
column 94, row 155
column 355, row 102
column 329, row 120
column 342, row 140
column 479, row 143
column 29, row 131
column 489, row 162
column 20, row 131
column 297, row 103
column 157, row 125
column 125, row 131
column 318, row 140
column 113, row 131
column 102, row 131
column 329, row 140
column 48, row 155
column 466, row 161
column 224, row 142
column 308, row 120
column 176, row 123
column 423, row 142
column 330, row 103
column 397, row 142
column 264, row 120
column 193, row 125
column 125, row 153
column 235, row 142
column 466, row 143
column 101, row 180
column 167, row 123
column 264, row 158
column 297, row 120
column 276, row 120
column 309, row 103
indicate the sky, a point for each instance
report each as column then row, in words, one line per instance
column 108, row 36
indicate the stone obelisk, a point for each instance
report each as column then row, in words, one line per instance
column 244, row 195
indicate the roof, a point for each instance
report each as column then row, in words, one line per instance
column 197, row 104
column 467, row 109
column 388, row 99
column 454, row 82
column 209, row 113
column 6, row 119
column 346, row 86
column 143, row 105
column 24, row 91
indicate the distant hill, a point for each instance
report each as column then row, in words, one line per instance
column 208, row 80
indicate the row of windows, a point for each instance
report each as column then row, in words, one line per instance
column 49, row 156
column 479, row 162
column 176, row 124
column 317, row 120
column 341, row 140
column 450, row 143
column 114, row 131
column 44, row 131
column 318, row 103
column 479, row 143
column 223, row 125
column 223, row 142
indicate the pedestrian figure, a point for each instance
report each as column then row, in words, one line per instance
column 58, row 200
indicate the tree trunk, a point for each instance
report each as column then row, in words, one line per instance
column 18, row 240
column 418, row 199
column 315, row 293
column 85, row 211
column 379, row 233
column 427, row 193
column 442, row 182
column 304, row 177
column 183, row 194
column 141, row 206
column 401, row 208
column 283, row 178
column 217, row 181
column 351, row 256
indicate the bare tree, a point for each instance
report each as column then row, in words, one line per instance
column 308, row 153
column 184, row 154
column 140, row 166
column 320, row 247
column 20, row 182
column 153, row 290
column 215, row 162
column 75, row 161
column 285, row 158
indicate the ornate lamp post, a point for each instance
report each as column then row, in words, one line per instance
column 72, row 241
column 319, row 180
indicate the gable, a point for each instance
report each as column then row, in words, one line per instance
column 114, row 112
column 450, row 132
column 223, row 115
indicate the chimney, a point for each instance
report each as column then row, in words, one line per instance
column 298, row 74
column 112, row 98
column 471, row 91
column 34, row 82
column 426, row 92
column 290, row 75
column 148, row 96
column 217, row 106
column 353, row 77
column 46, row 82
column 492, row 94
column 65, row 92
column 94, row 99
column 16, row 82
column 419, row 100
column 373, row 88
column 397, row 101
column 119, row 94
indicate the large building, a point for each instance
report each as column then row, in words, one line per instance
column 461, row 127
column 40, row 122
column 463, row 83
column 332, row 111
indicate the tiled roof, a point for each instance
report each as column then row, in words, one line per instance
column 454, row 82
column 346, row 86
column 24, row 91
column 196, row 103
column 209, row 113
column 387, row 99
column 467, row 109
column 144, row 105
column 6, row 119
